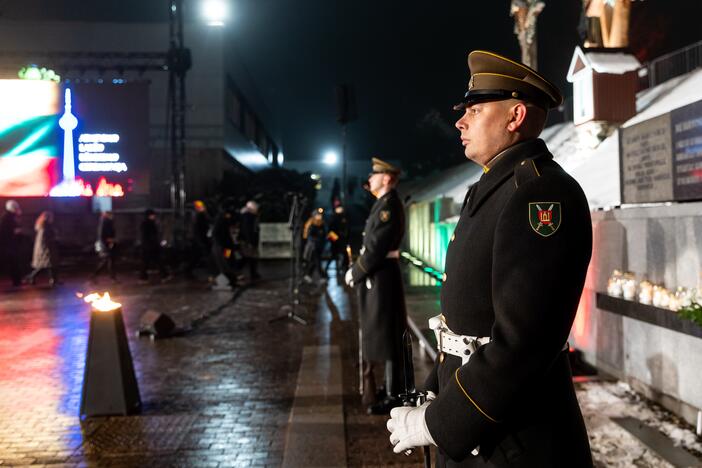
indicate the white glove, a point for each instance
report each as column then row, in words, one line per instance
column 408, row 428
column 348, row 278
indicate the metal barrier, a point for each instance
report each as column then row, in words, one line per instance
column 674, row 64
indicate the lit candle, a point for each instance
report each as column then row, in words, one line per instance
column 629, row 288
column 645, row 292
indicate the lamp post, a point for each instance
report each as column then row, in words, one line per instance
column 179, row 62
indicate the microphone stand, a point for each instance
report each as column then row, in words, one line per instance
column 290, row 310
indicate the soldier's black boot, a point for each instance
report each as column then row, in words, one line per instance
column 370, row 393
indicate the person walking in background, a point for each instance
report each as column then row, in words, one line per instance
column 106, row 246
column 338, row 235
column 45, row 253
column 313, row 234
column 10, row 233
column 249, row 237
column 151, row 247
column 200, row 246
column 223, row 243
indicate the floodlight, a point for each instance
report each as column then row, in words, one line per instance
column 215, row 12
column 330, row 158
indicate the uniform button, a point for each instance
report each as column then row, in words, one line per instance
column 445, row 276
column 523, row 163
column 453, row 236
column 441, row 357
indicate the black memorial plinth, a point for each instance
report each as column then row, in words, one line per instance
column 109, row 383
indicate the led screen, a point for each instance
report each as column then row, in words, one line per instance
column 73, row 139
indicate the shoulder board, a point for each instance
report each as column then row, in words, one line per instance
column 525, row 171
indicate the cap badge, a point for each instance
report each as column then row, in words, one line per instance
column 545, row 217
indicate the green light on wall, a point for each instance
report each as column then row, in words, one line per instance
column 33, row 72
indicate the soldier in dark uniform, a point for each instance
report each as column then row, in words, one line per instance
column 515, row 270
column 376, row 274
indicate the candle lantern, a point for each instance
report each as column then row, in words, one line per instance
column 109, row 383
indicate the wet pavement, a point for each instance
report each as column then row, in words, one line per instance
column 217, row 396
column 227, row 392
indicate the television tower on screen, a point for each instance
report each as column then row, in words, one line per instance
column 70, row 185
column 68, row 123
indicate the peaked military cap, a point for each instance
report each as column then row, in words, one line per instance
column 494, row 77
column 386, row 168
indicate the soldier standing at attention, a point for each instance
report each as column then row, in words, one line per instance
column 377, row 276
column 515, row 270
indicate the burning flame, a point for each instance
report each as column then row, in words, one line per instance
column 101, row 303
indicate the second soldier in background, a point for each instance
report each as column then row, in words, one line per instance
column 376, row 275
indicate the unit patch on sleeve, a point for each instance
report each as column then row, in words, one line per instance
column 545, row 217
column 384, row 215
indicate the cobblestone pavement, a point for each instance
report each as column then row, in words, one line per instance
column 218, row 396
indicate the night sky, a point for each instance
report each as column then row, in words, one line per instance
column 406, row 60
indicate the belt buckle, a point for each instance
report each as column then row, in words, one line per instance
column 472, row 345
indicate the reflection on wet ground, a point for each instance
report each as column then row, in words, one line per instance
column 219, row 395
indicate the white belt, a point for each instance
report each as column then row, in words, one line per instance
column 393, row 254
column 462, row 346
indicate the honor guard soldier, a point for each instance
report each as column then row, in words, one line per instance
column 515, row 270
column 376, row 275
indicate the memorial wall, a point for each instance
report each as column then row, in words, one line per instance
column 661, row 158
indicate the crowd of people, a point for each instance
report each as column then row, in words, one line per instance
column 224, row 244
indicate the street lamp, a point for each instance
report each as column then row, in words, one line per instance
column 330, row 158
column 215, row 12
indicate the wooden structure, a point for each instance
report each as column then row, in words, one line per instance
column 604, row 85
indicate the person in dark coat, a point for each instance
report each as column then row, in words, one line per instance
column 223, row 243
column 338, row 236
column 151, row 247
column 377, row 277
column 249, row 238
column 200, row 246
column 514, row 274
column 45, row 253
column 10, row 236
column 313, row 233
column 106, row 246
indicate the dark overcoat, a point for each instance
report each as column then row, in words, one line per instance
column 515, row 270
column 383, row 313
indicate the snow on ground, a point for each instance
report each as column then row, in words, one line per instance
column 612, row 446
